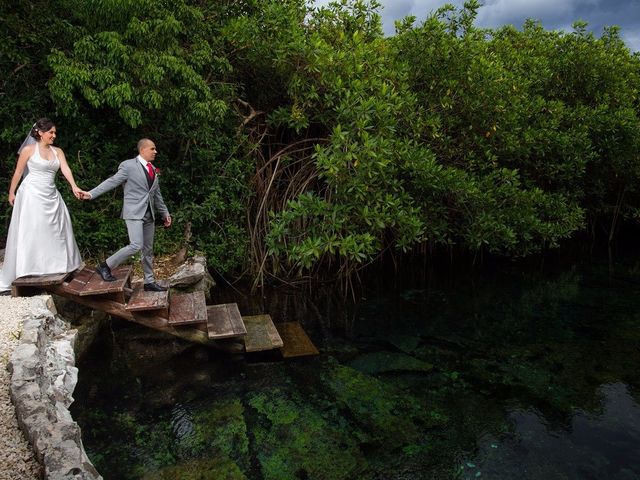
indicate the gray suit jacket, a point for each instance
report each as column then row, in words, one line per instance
column 137, row 194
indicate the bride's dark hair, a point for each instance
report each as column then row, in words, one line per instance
column 42, row 125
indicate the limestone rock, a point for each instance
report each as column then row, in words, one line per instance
column 190, row 273
column 193, row 276
column 43, row 378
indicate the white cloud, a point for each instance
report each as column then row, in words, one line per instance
column 632, row 39
column 399, row 8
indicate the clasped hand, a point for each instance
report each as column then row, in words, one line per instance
column 81, row 194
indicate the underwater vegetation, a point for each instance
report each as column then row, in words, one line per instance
column 536, row 379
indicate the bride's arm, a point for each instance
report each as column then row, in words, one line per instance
column 17, row 175
column 66, row 171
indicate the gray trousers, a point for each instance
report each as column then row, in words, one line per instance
column 141, row 234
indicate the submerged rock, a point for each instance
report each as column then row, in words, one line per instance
column 384, row 414
column 220, row 430
column 383, row 362
column 405, row 343
column 201, row 469
column 295, row 440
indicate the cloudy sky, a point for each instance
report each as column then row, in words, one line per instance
column 554, row 14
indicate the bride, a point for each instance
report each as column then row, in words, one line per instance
column 40, row 239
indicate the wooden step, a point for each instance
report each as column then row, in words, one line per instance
column 261, row 334
column 224, row 321
column 187, row 308
column 296, row 341
column 79, row 281
column 196, row 333
column 41, row 280
column 89, row 282
column 142, row 300
column 31, row 283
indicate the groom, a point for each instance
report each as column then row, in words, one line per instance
column 141, row 198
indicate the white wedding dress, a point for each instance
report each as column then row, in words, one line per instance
column 40, row 239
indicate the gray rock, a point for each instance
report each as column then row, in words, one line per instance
column 190, row 273
column 43, row 378
column 193, row 276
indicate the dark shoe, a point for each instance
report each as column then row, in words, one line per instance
column 154, row 287
column 105, row 272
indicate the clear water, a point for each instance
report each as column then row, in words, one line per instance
column 508, row 376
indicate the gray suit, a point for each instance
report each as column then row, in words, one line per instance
column 138, row 211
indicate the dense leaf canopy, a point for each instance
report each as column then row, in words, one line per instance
column 295, row 139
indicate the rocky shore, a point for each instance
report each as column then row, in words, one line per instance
column 39, row 438
column 17, row 459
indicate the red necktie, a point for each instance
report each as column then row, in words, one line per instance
column 151, row 172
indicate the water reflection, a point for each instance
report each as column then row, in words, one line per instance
column 510, row 376
column 594, row 445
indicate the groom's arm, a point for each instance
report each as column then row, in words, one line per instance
column 158, row 202
column 110, row 183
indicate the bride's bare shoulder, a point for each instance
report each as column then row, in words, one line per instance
column 28, row 149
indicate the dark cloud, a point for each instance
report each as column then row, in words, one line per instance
column 553, row 14
column 561, row 14
column 624, row 13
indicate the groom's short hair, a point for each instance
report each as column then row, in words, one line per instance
column 142, row 142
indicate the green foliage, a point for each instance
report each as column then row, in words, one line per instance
column 117, row 71
column 139, row 67
column 449, row 134
column 296, row 139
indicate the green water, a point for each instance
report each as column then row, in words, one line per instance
column 506, row 376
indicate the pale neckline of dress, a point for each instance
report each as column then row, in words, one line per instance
column 55, row 154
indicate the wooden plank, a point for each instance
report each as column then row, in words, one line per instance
column 150, row 318
column 79, row 281
column 96, row 286
column 115, row 296
column 261, row 334
column 187, row 308
column 41, row 280
column 224, row 321
column 17, row 291
column 142, row 300
column 296, row 341
column 147, row 319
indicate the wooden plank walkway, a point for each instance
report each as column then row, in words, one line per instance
column 41, row 280
column 296, row 341
column 184, row 315
column 88, row 282
column 224, row 321
column 148, row 319
column 261, row 334
column 142, row 300
column 97, row 286
column 79, row 281
column 187, row 308
column 22, row 285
